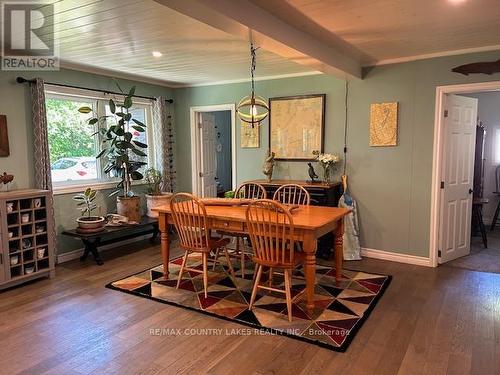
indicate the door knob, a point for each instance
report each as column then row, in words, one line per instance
column 471, row 191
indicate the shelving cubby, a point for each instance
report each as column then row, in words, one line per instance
column 27, row 250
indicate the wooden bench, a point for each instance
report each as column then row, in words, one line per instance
column 114, row 234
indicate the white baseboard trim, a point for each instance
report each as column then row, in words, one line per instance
column 75, row 254
column 395, row 257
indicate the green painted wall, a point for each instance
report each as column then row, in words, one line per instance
column 15, row 104
column 392, row 185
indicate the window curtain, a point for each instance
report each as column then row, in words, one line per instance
column 164, row 141
column 41, row 156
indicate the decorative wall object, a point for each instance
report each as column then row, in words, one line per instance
column 4, row 137
column 297, row 126
column 487, row 67
column 250, row 135
column 384, row 124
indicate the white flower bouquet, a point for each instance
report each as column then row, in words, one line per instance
column 328, row 162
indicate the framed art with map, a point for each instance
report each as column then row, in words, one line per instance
column 250, row 136
column 297, row 126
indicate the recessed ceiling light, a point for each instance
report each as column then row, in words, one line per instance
column 157, row 54
column 457, row 1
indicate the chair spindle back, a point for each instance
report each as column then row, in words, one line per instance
column 250, row 190
column 292, row 194
column 190, row 220
column 271, row 231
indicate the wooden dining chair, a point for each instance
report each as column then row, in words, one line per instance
column 247, row 190
column 292, row 194
column 190, row 220
column 271, row 230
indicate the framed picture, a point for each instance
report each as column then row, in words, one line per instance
column 250, row 137
column 384, row 124
column 297, row 126
column 4, row 137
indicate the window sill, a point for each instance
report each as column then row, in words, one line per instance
column 78, row 188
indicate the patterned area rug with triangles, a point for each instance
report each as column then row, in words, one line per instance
column 340, row 308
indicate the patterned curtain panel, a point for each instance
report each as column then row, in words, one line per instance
column 164, row 139
column 41, row 156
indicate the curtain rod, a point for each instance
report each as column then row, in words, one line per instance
column 30, row 81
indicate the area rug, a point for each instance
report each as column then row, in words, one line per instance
column 340, row 308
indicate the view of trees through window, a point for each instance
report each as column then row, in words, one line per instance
column 72, row 145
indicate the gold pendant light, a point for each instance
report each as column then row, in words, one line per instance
column 253, row 109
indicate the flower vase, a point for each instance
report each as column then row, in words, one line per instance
column 327, row 174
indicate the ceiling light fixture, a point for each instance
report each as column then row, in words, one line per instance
column 253, row 109
column 157, row 54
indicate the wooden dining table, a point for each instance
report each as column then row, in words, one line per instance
column 310, row 222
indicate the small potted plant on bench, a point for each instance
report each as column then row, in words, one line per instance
column 88, row 223
column 155, row 196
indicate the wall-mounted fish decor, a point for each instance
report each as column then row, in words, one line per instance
column 488, row 67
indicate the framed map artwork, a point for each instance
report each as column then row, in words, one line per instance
column 250, row 136
column 297, row 126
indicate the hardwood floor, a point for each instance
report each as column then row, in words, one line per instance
column 430, row 321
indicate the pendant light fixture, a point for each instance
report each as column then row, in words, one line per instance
column 253, row 109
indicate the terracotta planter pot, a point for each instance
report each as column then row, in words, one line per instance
column 129, row 207
column 92, row 224
column 156, row 201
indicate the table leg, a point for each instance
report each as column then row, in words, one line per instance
column 309, row 246
column 339, row 249
column 154, row 236
column 165, row 245
column 91, row 247
column 481, row 226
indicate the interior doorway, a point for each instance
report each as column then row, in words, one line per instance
column 213, row 153
column 464, row 173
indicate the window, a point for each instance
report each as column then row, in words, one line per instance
column 73, row 142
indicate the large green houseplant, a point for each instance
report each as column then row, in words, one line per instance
column 119, row 148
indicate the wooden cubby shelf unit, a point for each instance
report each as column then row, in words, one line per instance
column 27, row 250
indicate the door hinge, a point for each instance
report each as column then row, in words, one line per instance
column 200, row 174
column 200, row 125
column 445, row 113
column 439, row 253
column 442, row 184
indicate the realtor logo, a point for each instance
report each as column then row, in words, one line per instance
column 28, row 36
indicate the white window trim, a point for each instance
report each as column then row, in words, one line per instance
column 82, row 94
column 94, row 184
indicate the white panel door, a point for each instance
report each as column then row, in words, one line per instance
column 457, row 176
column 208, row 156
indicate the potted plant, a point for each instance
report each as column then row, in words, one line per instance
column 122, row 151
column 88, row 223
column 155, row 197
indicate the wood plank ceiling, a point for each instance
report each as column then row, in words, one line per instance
column 120, row 35
column 386, row 30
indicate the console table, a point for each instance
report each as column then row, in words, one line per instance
column 322, row 194
column 113, row 234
